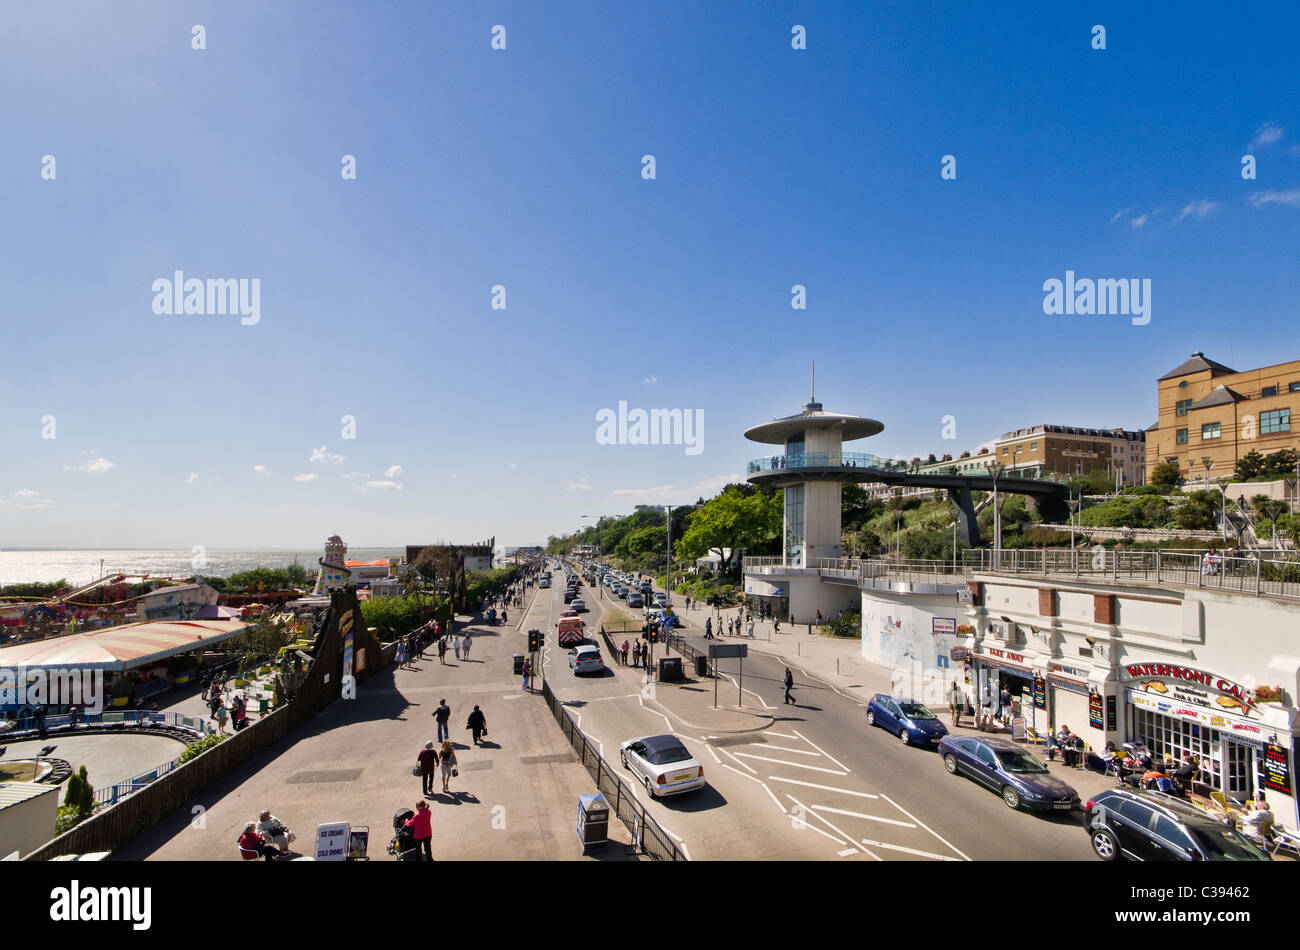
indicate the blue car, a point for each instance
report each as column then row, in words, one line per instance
column 1009, row 770
column 909, row 720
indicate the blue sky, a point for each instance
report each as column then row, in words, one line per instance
column 477, row 167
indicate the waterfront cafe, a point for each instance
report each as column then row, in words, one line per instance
column 137, row 660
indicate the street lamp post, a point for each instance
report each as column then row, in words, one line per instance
column 995, row 469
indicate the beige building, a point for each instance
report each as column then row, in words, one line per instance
column 1045, row 451
column 1210, row 411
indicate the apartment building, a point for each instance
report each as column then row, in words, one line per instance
column 1068, row 451
column 1210, row 412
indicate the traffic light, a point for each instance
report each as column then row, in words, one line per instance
column 534, row 640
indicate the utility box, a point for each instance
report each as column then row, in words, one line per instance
column 701, row 665
column 593, row 821
column 519, row 664
column 670, row 669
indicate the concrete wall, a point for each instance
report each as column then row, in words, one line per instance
column 26, row 825
column 897, row 633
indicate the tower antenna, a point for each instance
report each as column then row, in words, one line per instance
column 814, row 382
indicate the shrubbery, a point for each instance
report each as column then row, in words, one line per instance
column 392, row 616
column 199, row 746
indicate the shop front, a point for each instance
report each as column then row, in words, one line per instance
column 1000, row 669
column 1075, row 700
column 767, row 600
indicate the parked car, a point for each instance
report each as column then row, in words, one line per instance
column 1152, row 826
column 634, row 599
column 905, row 718
column 578, row 604
column 1006, row 768
column 586, row 659
column 663, row 764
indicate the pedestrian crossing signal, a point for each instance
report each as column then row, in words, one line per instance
column 534, row 640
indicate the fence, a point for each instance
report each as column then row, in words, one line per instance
column 654, row 840
column 114, row 793
column 126, row 719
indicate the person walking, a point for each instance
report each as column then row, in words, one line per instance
column 476, row 724
column 464, row 646
column 448, row 760
column 421, row 826
column 442, row 651
column 776, row 625
column 442, row 714
column 956, row 701
column 400, row 656
column 623, row 651
column 751, row 629
column 428, row 762
column 221, row 715
column 456, row 647
column 708, row 628
column 789, row 685
column 1004, row 703
column 688, row 602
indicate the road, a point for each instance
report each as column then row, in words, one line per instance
column 820, row 762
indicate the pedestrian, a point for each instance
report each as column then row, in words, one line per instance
column 400, row 656
column 1004, row 701
column 221, row 716
column 789, row 684
column 688, row 602
column 636, row 654
column 477, row 724
column 421, row 826
column 528, row 669
column 751, row 629
column 428, row 762
column 442, row 651
column 449, row 770
column 420, row 642
column 776, row 625
column 464, row 646
column 708, row 628
column 624, row 652
column 456, row 647
column 442, row 714
column 956, row 700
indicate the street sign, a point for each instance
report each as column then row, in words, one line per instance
column 964, row 596
column 728, row 649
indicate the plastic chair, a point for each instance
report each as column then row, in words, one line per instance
column 248, row 854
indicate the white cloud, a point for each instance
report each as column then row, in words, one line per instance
column 27, row 498
column 261, row 470
column 381, row 486
column 300, row 477
column 1120, row 214
column 580, row 486
column 1139, row 221
column 1197, row 209
column 394, row 471
column 650, row 379
column 672, row 494
column 1266, row 134
column 351, row 475
column 194, row 477
column 513, row 464
column 322, row 456
column 95, row 465
column 1261, row 198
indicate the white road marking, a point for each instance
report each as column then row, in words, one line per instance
column 760, row 782
column 515, row 696
column 824, row 788
column 848, row 838
column 794, row 765
column 821, row 750
column 728, row 678
column 780, row 735
column 847, row 851
column 714, row 754
column 858, row 814
column 738, row 762
column 925, row 826
column 781, row 748
column 899, row 847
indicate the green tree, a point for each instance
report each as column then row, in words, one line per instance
column 1250, row 465
column 728, row 522
column 1166, row 476
column 1280, row 464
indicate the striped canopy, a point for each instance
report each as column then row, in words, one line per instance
column 120, row 648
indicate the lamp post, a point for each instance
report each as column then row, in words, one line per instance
column 1291, row 482
column 995, row 470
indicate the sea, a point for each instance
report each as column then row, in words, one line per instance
column 30, row 565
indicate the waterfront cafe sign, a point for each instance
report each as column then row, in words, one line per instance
column 1191, row 687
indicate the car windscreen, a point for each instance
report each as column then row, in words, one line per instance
column 916, row 711
column 1226, row 844
column 1013, row 760
column 668, row 755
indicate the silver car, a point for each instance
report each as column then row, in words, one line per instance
column 664, row 765
column 586, row 659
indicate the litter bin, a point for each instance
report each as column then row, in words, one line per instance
column 519, row 664
column 593, row 820
column 670, row 669
column 701, row 665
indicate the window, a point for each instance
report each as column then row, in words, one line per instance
column 1033, row 446
column 1135, row 812
column 1172, row 832
column 1019, row 449
column 1268, row 391
column 1293, row 388
column 794, row 529
column 1053, row 445
column 1180, row 437
column 1180, row 409
column 1211, row 430
column 1006, row 450
column 1275, row 420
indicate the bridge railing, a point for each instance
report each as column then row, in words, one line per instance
column 777, row 463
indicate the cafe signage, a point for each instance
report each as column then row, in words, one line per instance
column 1096, row 716
column 959, row 653
column 1194, row 712
column 1068, row 671
column 1040, row 692
column 1277, row 769
column 1006, row 656
column 1233, row 696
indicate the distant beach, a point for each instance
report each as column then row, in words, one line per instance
column 19, row 566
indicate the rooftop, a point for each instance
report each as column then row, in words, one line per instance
column 813, row 416
column 1198, row 363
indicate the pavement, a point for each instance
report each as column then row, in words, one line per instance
column 515, row 799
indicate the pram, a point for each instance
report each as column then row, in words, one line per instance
column 403, row 844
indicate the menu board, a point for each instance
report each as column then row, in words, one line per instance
column 1277, row 770
column 1040, row 693
column 1111, row 719
column 1095, row 715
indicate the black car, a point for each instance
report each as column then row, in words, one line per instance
column 1006, row 768
column 1152, row 826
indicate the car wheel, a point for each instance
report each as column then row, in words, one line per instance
column 950, row 763
column 1010, row 796
column 871, row 718
column 1104, row 845
column 622, row 757
column 649, row 787
column 904, row 737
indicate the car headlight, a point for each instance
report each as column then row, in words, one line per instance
column 1030, row 793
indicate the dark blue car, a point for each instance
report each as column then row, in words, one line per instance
column 1008, row 769
column 910, row 721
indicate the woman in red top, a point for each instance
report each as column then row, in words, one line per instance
column 250, row 840
column 422, row 829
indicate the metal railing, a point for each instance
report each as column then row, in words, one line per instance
column 114, row 793
column 127, row 718
column 777, row 463
column 655, row 842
